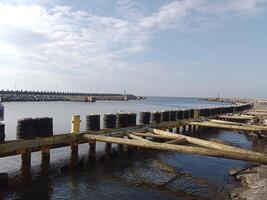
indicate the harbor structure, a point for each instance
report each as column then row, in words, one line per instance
column 15, row 95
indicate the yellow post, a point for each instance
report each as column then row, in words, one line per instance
column 75, row 123
column 75, row 128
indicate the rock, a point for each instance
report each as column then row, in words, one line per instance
column 233, row 172
column 254, row 181
column 241, row 173
column 253, row 194
column 238, row 191
column 222, row 194
column 262, row 172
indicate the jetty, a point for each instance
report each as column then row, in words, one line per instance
column 15, row 95
column 159, row 130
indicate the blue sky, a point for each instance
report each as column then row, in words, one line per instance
column 160, row 47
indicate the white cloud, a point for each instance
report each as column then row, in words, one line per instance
column 70, row 39
column 169, row 14
column 61, row 40
column 187, row 11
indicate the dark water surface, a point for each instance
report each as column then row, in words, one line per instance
column 143, row 174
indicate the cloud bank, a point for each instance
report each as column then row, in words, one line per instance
column 63, row 41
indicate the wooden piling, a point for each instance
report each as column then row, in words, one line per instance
column 45, row 154
column 189, row 128
column 3, row 181
column 183, row 129
column 121, row 147
column 92, row 150
column 130, row 148
column 26, row 158
column 75, row 128
column 108, row 149
column 194, row 129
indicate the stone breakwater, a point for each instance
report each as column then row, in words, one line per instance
column 8, row 96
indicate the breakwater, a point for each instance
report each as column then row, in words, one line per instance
column 11, row 95
column 60, row 158
column 38, row 128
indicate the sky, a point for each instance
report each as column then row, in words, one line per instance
column 192, row 48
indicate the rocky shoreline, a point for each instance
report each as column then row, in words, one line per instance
column 253, row 183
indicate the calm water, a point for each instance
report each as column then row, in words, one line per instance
column 140, row 175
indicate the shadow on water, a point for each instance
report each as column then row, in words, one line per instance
column 145, row 173
column 137, row 175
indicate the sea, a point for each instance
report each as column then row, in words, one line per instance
column 141, row 174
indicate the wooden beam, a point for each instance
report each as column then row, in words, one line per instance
column 228, row 126
column 237, row 117
column 226, row 122
column 261, row 111
column 205, row 143
column 152, row 135
column 177, row 141
column 138, row 138
column 258, row 114
column 262, row 158
column 237, row 124
column 15, row 147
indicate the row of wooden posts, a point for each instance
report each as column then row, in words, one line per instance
column 121, row 121
column 45, row 142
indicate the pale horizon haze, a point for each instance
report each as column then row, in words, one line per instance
column 185, row 48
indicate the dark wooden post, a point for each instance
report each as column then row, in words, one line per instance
column 26, row 158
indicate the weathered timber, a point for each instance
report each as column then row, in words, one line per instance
column 15, row 147
column 45, row 154
column 237, row 117
column 26, row 157
column 264, row 128
column 138, row 138
column 261, row 111
column 257, row 114
column 226, row 122
column 217, row 141
column 233, row 127
column 208, row 144
column 180, row 148
column 177, row 141
column 152, row 135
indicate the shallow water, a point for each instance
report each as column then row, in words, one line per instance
column 143, row 174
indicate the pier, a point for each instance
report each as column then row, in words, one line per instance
column 159, row 130
column 11, row 95
column 41, row 138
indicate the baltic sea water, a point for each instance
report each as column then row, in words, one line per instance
column 141, row 175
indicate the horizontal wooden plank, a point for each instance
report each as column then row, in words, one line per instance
column 180, row 148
